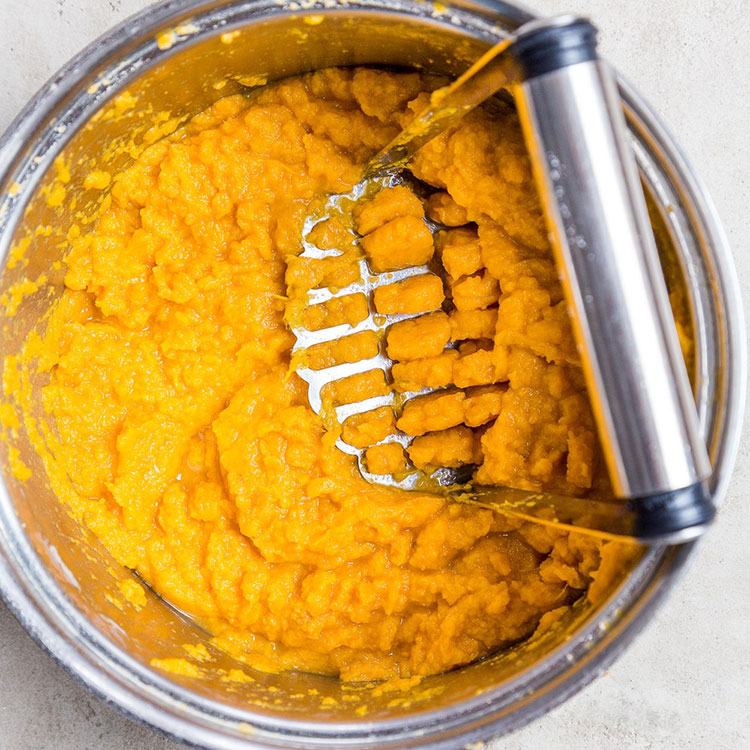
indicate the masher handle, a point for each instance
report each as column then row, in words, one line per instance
column 586, row 173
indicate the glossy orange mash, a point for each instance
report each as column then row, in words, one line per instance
column 195, row 456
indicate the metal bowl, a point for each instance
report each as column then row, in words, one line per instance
column 58, row 580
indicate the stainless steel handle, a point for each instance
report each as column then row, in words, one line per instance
column 575, row 129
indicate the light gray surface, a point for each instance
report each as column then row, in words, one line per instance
column 684, row 683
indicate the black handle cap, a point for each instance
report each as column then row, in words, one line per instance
column 673, row 516
column 545, row 46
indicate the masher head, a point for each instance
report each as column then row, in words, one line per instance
column 365, row 284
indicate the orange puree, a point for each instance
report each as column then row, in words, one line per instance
column 191, row 448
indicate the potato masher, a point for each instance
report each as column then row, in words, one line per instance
column 586, row 174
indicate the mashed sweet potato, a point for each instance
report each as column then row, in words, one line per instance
column 193, row 452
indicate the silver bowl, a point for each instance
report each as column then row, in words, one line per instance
column 54, row 575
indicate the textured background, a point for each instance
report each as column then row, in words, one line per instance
column 684, row 683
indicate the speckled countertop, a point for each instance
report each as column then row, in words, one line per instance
column 685, row 681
